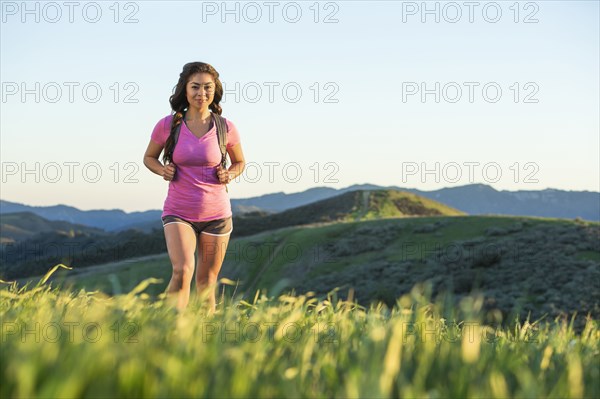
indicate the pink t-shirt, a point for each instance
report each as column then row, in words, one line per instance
column 195, row 194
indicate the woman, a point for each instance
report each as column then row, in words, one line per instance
column 197, row 211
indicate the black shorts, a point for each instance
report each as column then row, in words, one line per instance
column 217, row 227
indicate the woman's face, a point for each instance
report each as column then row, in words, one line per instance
column 200, row 90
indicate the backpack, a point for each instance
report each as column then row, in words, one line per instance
column 222, row 130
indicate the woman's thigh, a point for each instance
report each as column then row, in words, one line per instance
column 211, row 253
column 181, row 244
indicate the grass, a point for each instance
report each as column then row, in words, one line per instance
column 113, row 278
column 76, row 343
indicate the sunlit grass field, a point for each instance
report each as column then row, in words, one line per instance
column 59, row 343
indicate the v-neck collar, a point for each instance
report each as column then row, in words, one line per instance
column 205, row 134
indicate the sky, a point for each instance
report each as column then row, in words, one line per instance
column 419, row 95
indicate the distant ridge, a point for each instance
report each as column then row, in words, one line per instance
column 113, row 219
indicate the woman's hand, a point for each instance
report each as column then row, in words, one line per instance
column 168, row 172
column 223, row 174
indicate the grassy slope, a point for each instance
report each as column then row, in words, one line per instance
column 393, row 203
column 521, row 264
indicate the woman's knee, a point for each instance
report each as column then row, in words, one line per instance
column 183, row 270
column 207, row 277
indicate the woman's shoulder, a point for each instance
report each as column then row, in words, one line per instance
column 233, row 136
column 162, row 129
column 229, row 123
column 167, row 119
column 164, row 123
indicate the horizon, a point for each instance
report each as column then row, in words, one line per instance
column 508, row 97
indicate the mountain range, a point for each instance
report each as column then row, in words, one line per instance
column 473, row 199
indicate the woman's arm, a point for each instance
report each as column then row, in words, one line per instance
column 238, row 163
column 151, row 158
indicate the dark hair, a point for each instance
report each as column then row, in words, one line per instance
column 179, row 101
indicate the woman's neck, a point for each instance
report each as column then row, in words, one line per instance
column 194, row 115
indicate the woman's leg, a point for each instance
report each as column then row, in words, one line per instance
column 181, row 244
column 211, row 252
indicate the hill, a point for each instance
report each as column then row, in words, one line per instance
column 31, row 244
column 20, row 226
column 351, row 206
column 523, row 264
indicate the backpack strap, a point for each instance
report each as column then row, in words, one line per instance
column 222, row 137
column 222, row 129
column 177, row 130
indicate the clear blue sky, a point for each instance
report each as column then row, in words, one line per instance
column 370, row 53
